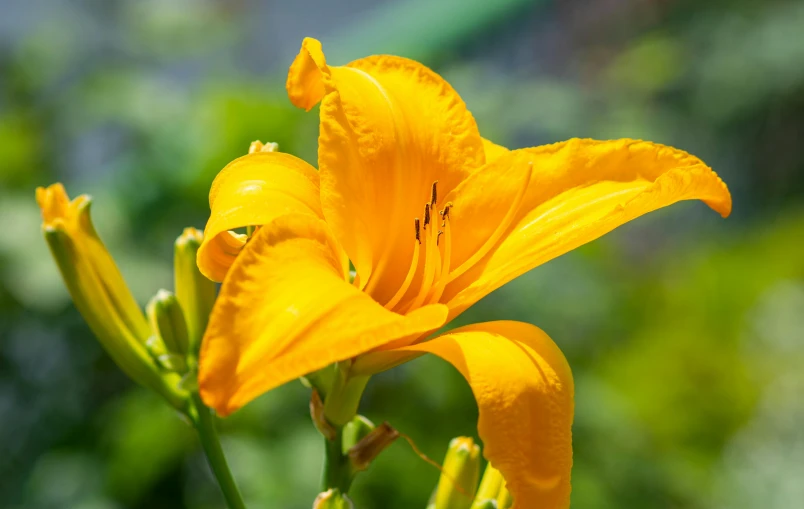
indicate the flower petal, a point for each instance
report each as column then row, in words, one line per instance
column 286, row 309
column 251, row 191
column 580, row 190
column 492, row 150
column 524, row 391
column 389, row 128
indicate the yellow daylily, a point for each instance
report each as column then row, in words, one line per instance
column 433, row 217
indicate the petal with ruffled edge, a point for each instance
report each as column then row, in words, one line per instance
column 580, row 190
column 525, row 395
column 251, row 191
column 389, row 128
column 286, row 309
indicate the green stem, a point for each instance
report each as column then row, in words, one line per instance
column 337, row 472
column 205, row 424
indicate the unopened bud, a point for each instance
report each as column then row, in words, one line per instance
column 461, row 472
column 504, row 500
column 98, row 290
column 195, row 292
column 332, row 499
column 355, row 431
column 167, row 322
column 258, row 146
column 492, row 488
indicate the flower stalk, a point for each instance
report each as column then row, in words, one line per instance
column 204, row 423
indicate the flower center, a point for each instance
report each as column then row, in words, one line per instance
column 429, row 269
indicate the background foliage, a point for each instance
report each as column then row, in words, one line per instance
column 685, row 332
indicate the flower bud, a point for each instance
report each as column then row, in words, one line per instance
column 461, row 471
column 485, row 504
column 332, row 499
column 98, row 290
column 195, row 292
column 492, row 489
column 167, row 321
column 354, row 431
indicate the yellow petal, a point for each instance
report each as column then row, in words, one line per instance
column 524, row 391
column 580, row 190
column 389, row 128
column 251, row 191
column 492, row 150
column 286, row 309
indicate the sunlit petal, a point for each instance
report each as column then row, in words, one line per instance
column 251, row 191
column 286, row 309
column 580, row 190
column 389, row 128
column 524, row 391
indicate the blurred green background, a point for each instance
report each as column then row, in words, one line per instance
column 685, row 332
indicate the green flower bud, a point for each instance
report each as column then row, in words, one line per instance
column 167, row 322
column 354, row 431
column 458, row 482
column 195, row 292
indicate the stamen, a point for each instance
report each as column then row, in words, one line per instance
column 501, row 228
column 440, row 233
column 418, row 230
column 403, row 288
column 434, row 194
column 431, row 260
column 443, row 275
column 426, row 215
column 445, row 214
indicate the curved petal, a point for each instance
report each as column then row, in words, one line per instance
column 524, row 391
column 389, row 128
column 492, row 150
column 251, row 191
column 580, row 190
column 286, row 309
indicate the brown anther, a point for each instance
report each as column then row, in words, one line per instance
column 445, row 214
column 426, row 215
column 434, row 194
column 418, row 230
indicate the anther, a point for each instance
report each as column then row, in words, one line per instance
column 426, row 215
column 445, row 214
column 440, row 233
column 434, row 194
column 418, row 229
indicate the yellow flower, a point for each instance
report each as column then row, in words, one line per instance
column 99, row 291
column 433, row 217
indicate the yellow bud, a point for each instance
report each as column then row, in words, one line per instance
column 258, row 146
column 458, row 482
column 504, row 500
column 98, row 290
column 489, row 487
column 195, row 292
